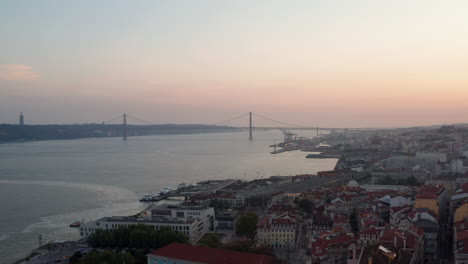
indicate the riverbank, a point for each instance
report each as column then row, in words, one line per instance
column 33, row 133
column 64, row 177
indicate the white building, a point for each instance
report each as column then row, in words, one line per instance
column 231, row 200
column 395, row 201
column 190, row 226
column 458, row 166
column 204, row 214
column 192, row 220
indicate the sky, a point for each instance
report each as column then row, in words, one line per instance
column 328, row 63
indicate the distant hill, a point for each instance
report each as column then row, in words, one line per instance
column 14, row 133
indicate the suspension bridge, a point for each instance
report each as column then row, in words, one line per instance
column 146, row 125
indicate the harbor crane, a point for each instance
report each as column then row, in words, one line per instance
column 288, row 135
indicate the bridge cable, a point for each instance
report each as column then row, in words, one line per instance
column 229, row 120
column 110, row 120
column 141, row 120
column 276, row 121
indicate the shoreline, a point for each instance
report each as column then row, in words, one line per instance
column 149, row 135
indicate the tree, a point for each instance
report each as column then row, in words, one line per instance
column 412, row 181
column 305, row 205
column 210, row 240
column 247, row 224
column 387, row 180
column 137, row 236
column 107, row 257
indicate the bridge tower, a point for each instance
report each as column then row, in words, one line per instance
column 124, row 134
column 250, row 126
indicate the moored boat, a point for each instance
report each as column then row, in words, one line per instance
column 76, row 224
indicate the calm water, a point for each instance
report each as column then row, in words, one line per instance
column 44, row 186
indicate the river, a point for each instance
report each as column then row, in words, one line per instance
column 46, row 185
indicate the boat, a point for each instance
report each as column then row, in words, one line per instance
column 76, row 224
column 149, row 197
column 152, row 197
column 165, row 190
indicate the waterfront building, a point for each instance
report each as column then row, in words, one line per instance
column 191, row 227
column 205, row 214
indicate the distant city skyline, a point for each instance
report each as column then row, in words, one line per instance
column 331, row 63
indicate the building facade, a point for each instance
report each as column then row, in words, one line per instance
column 277, row 231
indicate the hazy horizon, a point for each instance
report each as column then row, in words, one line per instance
column 313, row 63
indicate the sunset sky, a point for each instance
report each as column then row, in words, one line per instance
column 316, row 63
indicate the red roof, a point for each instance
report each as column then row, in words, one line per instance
column 177, row 251
column 426, row 195
column 282, row 221
column 321, row 245
column 267, row 220
column 430, row 191
column 370, row 231
column 411, row 239
column 417, row 211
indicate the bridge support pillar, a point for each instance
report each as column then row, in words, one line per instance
column 124, row 132
column 250, row 126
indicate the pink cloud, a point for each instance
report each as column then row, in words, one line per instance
column 17, row 72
